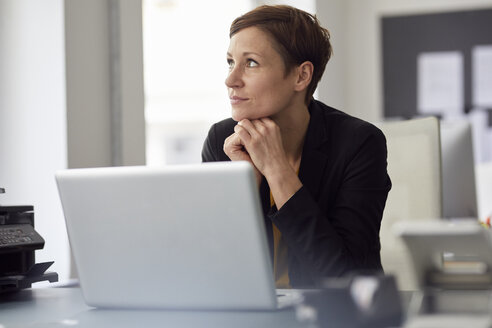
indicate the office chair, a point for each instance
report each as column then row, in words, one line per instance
column 414, row 166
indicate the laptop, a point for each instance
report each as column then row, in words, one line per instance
column 173, row 237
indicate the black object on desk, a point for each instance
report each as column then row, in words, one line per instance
column 18, row 242
column 359, row 301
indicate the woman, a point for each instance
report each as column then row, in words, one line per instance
column 321, row 173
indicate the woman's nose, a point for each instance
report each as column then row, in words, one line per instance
column 234, row 78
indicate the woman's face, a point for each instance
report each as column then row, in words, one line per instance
column 257, row 84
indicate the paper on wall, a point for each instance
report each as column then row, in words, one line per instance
column 440, row 83
column 482, row 76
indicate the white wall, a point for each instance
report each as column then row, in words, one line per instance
column 105, row 100
column 357, row 84
column 32, row 117
column 88, row 83
column 333, row 86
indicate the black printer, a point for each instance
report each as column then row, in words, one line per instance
column 18, row 242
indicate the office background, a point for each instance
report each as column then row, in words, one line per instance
column 72, row 90
column 447, row 73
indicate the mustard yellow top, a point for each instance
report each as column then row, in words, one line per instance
column 280, row 259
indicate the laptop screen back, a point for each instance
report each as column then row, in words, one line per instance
column 188, row 236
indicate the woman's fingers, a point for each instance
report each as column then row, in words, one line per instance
column 232, row 141
column 234, row 148
column 260, row 128
column 242, row 134
column 263, row 142
column 256, row 128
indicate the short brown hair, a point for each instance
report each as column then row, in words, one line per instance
column 297, row 34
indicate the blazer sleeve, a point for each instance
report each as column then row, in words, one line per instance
column 209, row 150
column 213, row 146
column 345, row 235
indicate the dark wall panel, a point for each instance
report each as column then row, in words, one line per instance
column 404, row 37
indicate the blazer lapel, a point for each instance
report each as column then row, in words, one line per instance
column 314, row 160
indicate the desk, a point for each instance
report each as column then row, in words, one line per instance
column 65, row 307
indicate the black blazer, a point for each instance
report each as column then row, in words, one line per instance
column 331, row 225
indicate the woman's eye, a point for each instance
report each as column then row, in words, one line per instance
column 230, row 63
column 251, row 63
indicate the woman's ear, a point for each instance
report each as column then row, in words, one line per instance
column 304, row 75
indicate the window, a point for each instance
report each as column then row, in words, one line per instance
column 185, row 45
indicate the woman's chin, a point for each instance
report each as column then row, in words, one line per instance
column 237, row 116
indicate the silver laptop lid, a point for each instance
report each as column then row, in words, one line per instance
column 189, row 236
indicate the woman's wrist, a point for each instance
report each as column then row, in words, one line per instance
column 283, row 183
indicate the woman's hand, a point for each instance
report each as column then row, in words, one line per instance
column 263, row 145
column 234, row 149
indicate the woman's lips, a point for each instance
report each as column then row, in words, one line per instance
column 235, row 100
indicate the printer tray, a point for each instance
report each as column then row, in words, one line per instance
column 35, row 274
